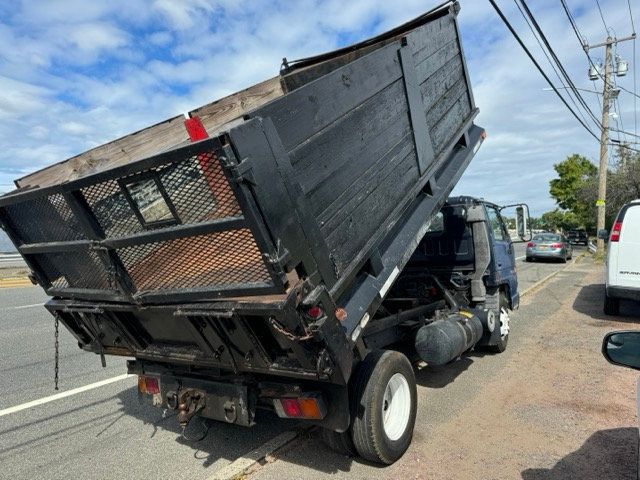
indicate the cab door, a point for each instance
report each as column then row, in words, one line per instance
column 502, row 253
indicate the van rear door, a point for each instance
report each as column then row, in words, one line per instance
column 628, row 272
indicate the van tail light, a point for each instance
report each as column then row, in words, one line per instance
column 148, row 385
column 310, row 407
column 556, row 245
column 615, row 231
column 531, row 245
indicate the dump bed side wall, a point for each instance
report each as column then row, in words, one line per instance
column 357, row 140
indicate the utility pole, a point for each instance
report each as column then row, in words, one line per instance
column 621, row 69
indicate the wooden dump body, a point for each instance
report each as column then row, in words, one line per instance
column 302, row 178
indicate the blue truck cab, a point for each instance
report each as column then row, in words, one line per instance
column 468, row 253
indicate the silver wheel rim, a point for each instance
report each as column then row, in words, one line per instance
column 504, row 322
column 396, row 406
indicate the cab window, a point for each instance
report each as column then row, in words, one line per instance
column 496, row 225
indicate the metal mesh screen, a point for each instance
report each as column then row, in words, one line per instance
column 78, row 269
column 111, row 208
column 223, row 258
column 196, row 187
column 44, row 219
column 179, row 189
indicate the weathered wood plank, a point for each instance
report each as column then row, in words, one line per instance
column 445, row 102
column 307, row 110
column 157, row 138
column 365, row 183
column 348, row 181
column 428, row 39
column 434, row 87
column 348, row 146
column 450, row 123
column 136, row 146
column 216, row 114
column 433, row 63
column 355, row 230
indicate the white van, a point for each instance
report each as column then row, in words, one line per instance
column 623, row 259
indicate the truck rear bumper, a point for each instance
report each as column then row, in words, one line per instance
column 235, row 399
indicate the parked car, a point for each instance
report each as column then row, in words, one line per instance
column 549, row 246
column 622, row 272
column 623, row 348
column 578, row 237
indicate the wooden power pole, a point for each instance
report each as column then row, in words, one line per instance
column 604, row 134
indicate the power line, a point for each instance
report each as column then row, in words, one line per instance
column 551, row 64
column 537, row 65
column 560, row 66
column 633, row 27
column 628, row 91
column 602, row 17
column 626, row 133
column 582, row 41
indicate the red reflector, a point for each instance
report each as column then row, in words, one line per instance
column 291, row 407
column 556, row 245
column 615, row 231
column 531, row 245
column 315, row 312
column 195, row 129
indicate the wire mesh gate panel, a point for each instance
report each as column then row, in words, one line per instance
column 168, row 225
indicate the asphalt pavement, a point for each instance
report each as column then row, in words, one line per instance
column 104, row 432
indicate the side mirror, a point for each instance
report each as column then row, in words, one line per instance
column 622, row 348
column 523, row 230
column 521, row 221
column 603, row 234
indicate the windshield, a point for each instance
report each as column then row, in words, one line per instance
column 549, row 237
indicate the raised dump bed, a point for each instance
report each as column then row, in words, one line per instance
column 239, row 254
column 308, row 170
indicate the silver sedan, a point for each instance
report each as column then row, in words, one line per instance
column 550, row 246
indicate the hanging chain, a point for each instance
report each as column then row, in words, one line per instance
column 57, row 354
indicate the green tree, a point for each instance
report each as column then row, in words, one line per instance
column 575, row 175
column 623, row 184
column 559, row 220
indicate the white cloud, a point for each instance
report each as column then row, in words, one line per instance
column 89, row 37
column 74, row 74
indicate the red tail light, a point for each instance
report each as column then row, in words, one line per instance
column 615, row 231
column 556, row 245
column 315, row 312
column 310, row 407
column 148, row 385
column 531, row 245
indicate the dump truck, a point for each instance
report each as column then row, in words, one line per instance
column 290, row 247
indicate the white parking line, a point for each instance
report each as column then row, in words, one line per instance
column 58, row 396
column 28, row 306
column 520, row 258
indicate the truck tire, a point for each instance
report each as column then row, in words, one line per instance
column 385, row 401
column 497, row 301
column 611, row 305
column 338, row 442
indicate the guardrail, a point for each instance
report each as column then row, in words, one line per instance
column 11, row 258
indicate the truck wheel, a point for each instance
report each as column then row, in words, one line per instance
column 338, row 442
column 497, row 302
column 611, row 305
column 385, row 400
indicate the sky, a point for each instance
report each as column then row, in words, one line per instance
column 75, row 74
